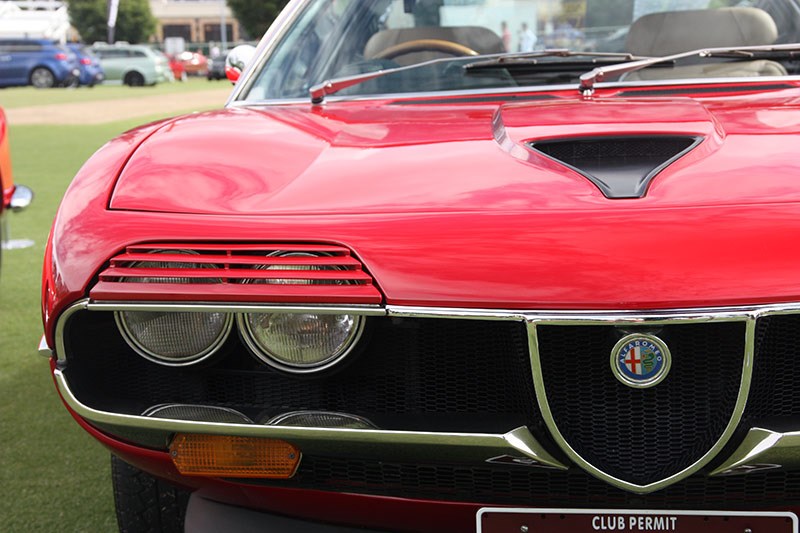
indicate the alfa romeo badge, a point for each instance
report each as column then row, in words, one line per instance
column 640, row 360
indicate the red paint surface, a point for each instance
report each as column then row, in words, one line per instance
column 445, row 206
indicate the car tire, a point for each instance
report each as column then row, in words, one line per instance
column 134, row 79
column 145, row 503
column 42, row 78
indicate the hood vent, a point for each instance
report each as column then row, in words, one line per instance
column 621, row 167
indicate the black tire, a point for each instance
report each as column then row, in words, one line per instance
column 145, row 503
column 42, row 78
column 134, row 79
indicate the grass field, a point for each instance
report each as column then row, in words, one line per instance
column 53, row 477
column 28, row 96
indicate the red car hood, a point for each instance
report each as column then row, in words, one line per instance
column 401, row 157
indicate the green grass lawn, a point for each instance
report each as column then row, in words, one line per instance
column 28, row 96
column 53, row 476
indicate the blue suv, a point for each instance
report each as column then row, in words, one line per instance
column 38, row 62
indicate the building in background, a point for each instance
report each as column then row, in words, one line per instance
column 195, row 21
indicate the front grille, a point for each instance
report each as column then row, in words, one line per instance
column 452, row 375
column 775, row 392
column 413, row 374
column 642, row 435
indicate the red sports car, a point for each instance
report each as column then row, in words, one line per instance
column 407, row 280
column 13, row 197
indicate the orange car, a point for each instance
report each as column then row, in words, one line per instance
column 15, row 197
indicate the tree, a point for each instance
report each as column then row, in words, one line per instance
column 255, row 16
column 135, row 21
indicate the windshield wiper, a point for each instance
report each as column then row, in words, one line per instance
column 589, row 79
column 532, row 58
column 319, row 91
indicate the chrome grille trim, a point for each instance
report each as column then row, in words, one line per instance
column 761, row 444
column 733, row 422
column 397, row 445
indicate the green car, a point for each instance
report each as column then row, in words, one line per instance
column 131, row 64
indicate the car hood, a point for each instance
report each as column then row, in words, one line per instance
column 453, row 156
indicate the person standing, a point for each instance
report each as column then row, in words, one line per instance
column 506, row 35
column 527, row 39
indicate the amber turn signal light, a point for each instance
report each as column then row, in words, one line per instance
column 227, row 456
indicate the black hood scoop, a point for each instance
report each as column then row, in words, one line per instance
column 621, row 167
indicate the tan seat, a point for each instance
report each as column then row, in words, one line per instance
column 481, row 40
column 673, row 32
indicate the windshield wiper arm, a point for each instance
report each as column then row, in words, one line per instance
column 597, row 75
column 319, row 91
column 532, row 58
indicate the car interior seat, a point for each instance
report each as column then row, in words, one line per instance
column 673, row 32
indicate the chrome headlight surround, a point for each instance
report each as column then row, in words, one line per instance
column 182, row 321
column 258, row 340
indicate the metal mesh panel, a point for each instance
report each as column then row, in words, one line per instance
column 642, row 435
column 413, row 374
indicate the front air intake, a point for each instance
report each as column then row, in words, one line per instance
column 621, row 167
column 279, row 273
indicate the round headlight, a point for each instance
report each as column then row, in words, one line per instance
column 301, row 342
column 173, row 338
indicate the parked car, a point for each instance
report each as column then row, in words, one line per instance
column 131, row 64
column 216, row 67
column 177, row 68
column 91, row 71
column 38, row 62
column 13, row 197
column 195, row 63
column 406, row 281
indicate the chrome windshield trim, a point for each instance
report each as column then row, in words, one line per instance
column 477, row 447
column 274, row 34
column 762, row 449
column 508, row 91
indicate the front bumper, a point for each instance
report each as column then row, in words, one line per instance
column 208, row 516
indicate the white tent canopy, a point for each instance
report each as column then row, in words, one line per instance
column 41, row 19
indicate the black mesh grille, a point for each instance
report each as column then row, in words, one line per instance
column 414, row 374
column 474, row 376
column 623, row 150
column 775, row 392
column 535, row 487
column 642, row 435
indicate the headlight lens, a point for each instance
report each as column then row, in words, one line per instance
column 173, row 338
column 300, row 342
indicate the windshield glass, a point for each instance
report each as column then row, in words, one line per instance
column 338, row 38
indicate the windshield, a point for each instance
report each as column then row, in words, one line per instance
column 331, row 39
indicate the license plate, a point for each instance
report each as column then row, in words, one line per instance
column 509, row 520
